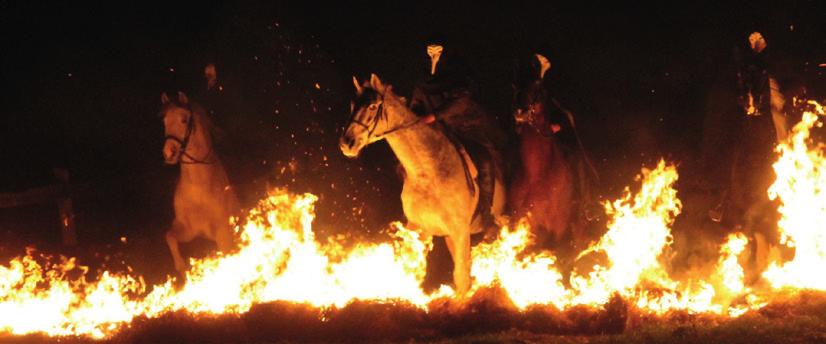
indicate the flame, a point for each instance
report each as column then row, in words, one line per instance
column 729, row 268
column 731, row 276
column 637, row 234
column 533, row 279
column 37, row 299
column 280, row 259
column 801, row 179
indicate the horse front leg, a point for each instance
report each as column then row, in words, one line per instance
column 517, row 194
column 173, row 237
column 172, row 242
column 224, row 237
column 459, row 246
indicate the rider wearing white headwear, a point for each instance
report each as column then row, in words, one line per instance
column 760, row 93
column 535, row 83
column 446, row 96
column 761, row 125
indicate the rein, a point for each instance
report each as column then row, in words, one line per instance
column 529, row 122
column 381, row 114
column 190, row 128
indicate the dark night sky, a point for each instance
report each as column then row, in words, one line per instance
column 638, row 76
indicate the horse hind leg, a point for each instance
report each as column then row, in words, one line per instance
column 222, row 229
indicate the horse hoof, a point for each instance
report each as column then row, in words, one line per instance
column 180, row 280
column 489, row 237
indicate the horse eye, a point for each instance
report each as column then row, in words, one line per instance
column 183, row 120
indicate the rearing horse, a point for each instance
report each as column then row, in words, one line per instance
column 204, row 200
column 438, row 196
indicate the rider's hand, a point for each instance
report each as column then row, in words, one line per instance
column 555, row 128
column 429, row 119
column 750, row 110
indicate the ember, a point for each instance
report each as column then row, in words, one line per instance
column 280, row 261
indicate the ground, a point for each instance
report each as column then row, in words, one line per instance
column 796, row 318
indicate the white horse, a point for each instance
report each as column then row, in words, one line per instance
column 204, row 200
column 440, row 195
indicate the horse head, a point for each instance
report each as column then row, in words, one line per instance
column 529, row 92
column 530, row 106
column 178, row 124
column 370, row 121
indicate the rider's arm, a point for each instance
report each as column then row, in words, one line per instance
column 452, row 111
column 417, row 101
column 557, row 117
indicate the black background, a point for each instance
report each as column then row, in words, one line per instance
column 82, row 82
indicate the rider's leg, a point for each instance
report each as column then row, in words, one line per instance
column 778, row 103
column 483, row 160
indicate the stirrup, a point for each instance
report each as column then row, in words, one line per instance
column 716, row 213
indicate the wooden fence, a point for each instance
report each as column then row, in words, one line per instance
column 59, row 194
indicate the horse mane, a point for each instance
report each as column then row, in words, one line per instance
column 203, row 118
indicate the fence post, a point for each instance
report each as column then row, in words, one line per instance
column 64, row 206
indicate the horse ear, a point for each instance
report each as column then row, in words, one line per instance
column 182, row 98
column 359, row 89
column 164, row 98
column 376, row 83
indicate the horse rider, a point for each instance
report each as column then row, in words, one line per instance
column 762, row 125
column 212, row 98
column 760, row 94
column 561, row 125
column 532, row 71
column 445, row 96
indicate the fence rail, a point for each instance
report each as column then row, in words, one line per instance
column 59, row 193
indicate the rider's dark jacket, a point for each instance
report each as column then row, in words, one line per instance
column 535, row 90
column 448, row 95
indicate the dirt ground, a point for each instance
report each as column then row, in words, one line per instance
column 486, row 318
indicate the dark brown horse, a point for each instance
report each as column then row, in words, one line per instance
column 543, row 185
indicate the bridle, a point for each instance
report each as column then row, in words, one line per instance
column 184, row 143
column 380, row 115
column 530, row 111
